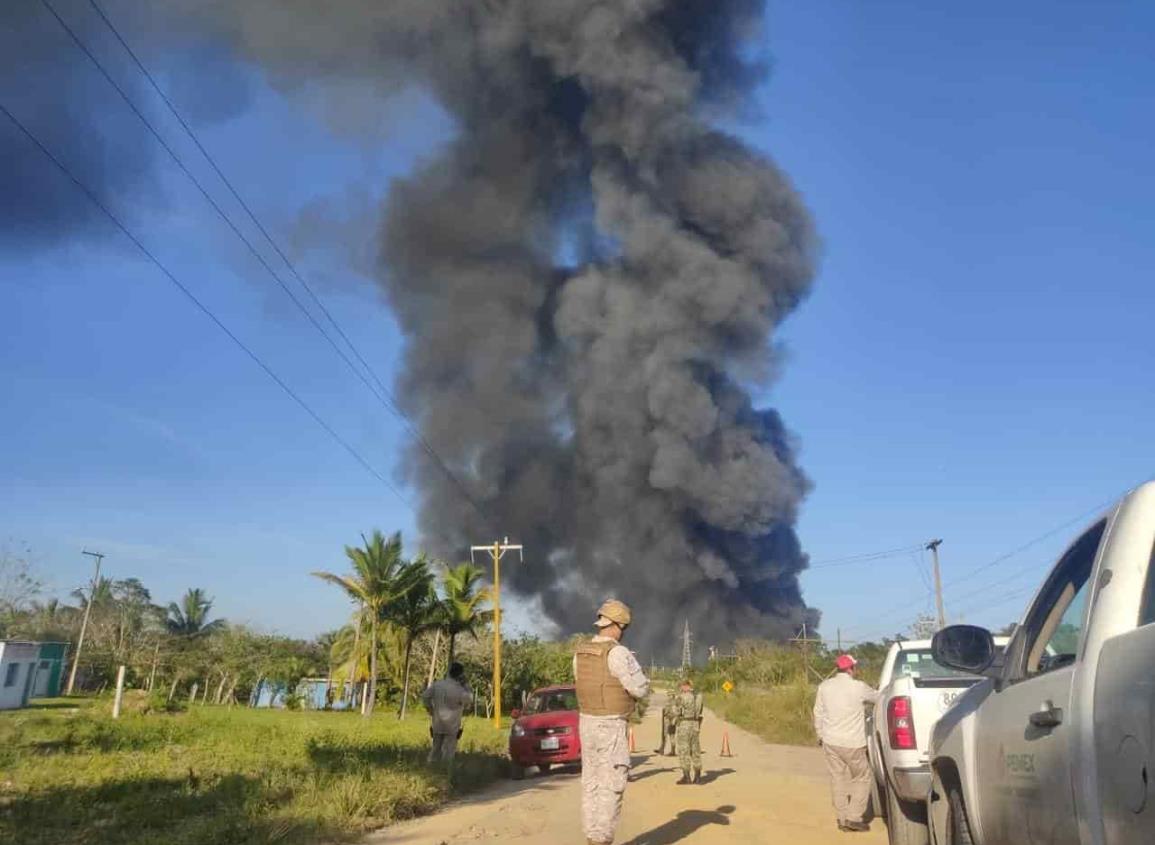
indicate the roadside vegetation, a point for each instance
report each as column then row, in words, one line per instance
column 70, row 774
column 774, row 686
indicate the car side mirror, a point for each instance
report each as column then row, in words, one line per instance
column 515, row 714
column 967, row 648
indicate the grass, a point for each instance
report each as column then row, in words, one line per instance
column 70, row 774
column 781, row 714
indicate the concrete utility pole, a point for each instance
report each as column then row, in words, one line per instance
column 496, row 552
column 84, row 624
column 687, row 650
column 933, row 546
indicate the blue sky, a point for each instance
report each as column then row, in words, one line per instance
column 976, row 362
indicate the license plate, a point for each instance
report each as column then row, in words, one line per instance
column 550, row 744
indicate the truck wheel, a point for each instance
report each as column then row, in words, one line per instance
column 958, row 826
column 544, row 768
column 905, row 821
column 516, row 770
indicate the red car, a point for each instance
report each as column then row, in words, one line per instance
column 545, row 733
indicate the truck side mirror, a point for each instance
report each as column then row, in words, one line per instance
column 967, row 648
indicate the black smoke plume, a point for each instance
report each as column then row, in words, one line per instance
column 60, row 94
column 588, row 277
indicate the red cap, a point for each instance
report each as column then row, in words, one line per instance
column 845, row 661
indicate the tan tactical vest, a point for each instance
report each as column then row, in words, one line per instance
column 599, row 693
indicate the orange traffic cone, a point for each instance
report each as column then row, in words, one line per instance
column 725, row 744
column 633, row 745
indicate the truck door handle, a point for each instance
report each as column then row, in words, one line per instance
column 1049, row 717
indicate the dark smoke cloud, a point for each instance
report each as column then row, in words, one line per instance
column 60, row 95
column 597, row 407
column 588, row 278
column 46, row 83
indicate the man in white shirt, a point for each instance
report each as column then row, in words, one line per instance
column 446, row 700
column 609, row 682
column 840, row 723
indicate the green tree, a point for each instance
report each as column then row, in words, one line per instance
column 415, row 612
column 190, row 618
column 462, row 608
column 377, row 581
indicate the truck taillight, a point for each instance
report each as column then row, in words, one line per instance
column 900, row 721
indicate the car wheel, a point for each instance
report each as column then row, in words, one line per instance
column 544, row 768
column 958, row 826
column 516, row 771
column 905, row 821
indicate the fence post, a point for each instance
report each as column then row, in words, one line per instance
column 119, row 693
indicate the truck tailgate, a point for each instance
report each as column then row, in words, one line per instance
column 930, row 698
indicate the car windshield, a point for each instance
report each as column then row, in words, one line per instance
column 552, row 701
column 919, row 663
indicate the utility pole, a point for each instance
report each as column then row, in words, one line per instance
column 84, row 625
column 687, row 649
column 933, row 546
column 496, row 552
column 803, row 641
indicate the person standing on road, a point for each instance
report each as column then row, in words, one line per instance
column 609, row 682
column 688, row 710
column 446, row 700
column 667, row 728
column 840, row 723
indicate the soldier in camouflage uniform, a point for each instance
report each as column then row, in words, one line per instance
column 688, row 714
column 668, row 724
column 609, row 684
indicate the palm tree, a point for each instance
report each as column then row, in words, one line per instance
column 461, row 608
column 378, row 580
column 189, row 619
column 414, row 613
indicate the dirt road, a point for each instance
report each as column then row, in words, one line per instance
column 765, row 793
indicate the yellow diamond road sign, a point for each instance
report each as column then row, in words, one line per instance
column 727, row 687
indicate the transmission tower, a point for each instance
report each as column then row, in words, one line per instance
column 687, row 652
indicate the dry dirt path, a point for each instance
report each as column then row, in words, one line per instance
column 763, row 794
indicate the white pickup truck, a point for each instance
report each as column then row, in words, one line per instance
column 914, row 692
column 1056, row 746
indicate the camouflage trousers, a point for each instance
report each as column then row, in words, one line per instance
column 689, row 746
column 605, row 768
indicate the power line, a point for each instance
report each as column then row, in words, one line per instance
column 1084, row 515
column 1003, row 557
column 920, row 566
column 202, row 307
column 389, row 398
column 385, row 397
column 865, row 557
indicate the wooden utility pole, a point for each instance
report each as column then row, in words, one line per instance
column 496, row 552
column 84, row 624
column 933, row 546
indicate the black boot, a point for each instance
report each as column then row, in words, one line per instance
column 685, row 777
column 697, row 775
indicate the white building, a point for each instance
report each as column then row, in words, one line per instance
column 29, row 670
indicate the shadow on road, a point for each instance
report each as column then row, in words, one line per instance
column 710, row 777
column 651, row 773
column 686, row 822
